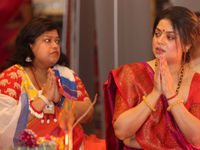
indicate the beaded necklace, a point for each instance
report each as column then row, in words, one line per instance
column 180, row 79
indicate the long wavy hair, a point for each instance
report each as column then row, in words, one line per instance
column 27, row 36
column 186, row 23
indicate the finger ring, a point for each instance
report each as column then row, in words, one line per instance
column 165, row 73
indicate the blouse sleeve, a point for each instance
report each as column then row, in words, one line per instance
column 10, row 82
column 81, row 91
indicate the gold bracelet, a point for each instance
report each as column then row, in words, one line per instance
column 151, row 107
column 177, row 102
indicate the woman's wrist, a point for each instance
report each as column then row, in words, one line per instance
column 44, row 99
column 171, row 101
column 57, row 100
column 170, row 93
column 154, row 94
column 38, row 104
column 171, row 97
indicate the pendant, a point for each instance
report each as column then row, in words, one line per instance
column 42, row 120
column 48, row 120
column 55, row 120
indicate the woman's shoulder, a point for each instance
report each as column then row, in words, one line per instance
column 196, row 77
column 13, row 69
column 10, row 81
column 193, row 80
column 192, row 74
column 131, row 67
column 65, row 72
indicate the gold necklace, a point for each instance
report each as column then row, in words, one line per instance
column 180, row 79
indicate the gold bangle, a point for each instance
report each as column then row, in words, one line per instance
column 177, row 102
column 151, row 107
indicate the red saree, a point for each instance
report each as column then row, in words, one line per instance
column 124, row 89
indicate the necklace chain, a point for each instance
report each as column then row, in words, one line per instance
column 180, row 79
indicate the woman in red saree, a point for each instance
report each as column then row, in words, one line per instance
column 156, row 104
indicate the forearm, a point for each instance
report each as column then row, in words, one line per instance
column 128, row 123
column 187, row 123
column 38, row 105
column 80, row 108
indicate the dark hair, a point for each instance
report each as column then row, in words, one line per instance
column 27, row 36
column 187, row 24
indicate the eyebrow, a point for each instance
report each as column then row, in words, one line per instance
column 50, row 36
column 167, row 31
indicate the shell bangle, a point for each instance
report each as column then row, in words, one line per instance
column 173, row 104
column 149, row 105
column 44, row 99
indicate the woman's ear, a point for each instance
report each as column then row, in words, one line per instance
column 187, row 47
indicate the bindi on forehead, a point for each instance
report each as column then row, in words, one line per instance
column 163, row 30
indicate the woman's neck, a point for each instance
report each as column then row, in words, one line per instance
column 39, row 76
column 175, row 68
column 39, row 71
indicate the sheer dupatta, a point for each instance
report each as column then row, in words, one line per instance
column 133, row 81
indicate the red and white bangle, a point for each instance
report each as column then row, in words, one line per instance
column 34, row 112
column 44, row 99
